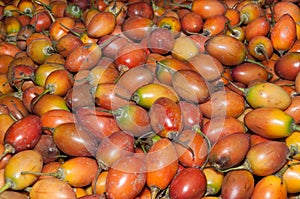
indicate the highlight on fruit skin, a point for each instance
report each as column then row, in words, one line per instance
column 149, row 99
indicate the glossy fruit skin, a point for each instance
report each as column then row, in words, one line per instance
column 137, row 27
column 248, row 72
column 189, row 183
column 283, row 30
column 184, row 48
column 165, row 69
column 208, row 8
column 268, row 95
column 53, row 102
column 161, row 163
column 190, row 86
column 291, row 177
column 229, row 151
column 78, row 171
column 135, row 78
column 140, row 8
column 27, row 160
column 55, row 188
column 103, row 23
column 165, row 117
column 258, row 27
column 270, row 187
column 191, row 22
column 270, row 123
column 208, row 66
column 287, row 66
column 214, row 180
column 133, row 119
column 191, row 115
column 73, row 140
column 237, row 185
column 84, row 57
column 126, row 178
column 228, row 50
column 219, row 127
column 97, row 122
column 25, row 133
column 266, row 158
column 146, row 95
column 129, row 56
column 223, row 103
column 113, row 148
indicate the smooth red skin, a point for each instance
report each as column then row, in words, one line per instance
column 237, row 184
column 106, row 96
column 189, row 183
column 41, row 21
column 165, row 117
column 53, row 118
column 191, row 115
column 47, row 148
column 126, row 178
column 288, row 66
column 294, row 109
column 131, row 55
column 230, row 151
column 72, row 140
column 283, row 33
column 258, row 27
column 218, row 128
column 29, row 94
column 267, row 157
column 99, row 123
column 143, row 9
column 136, row 27
column 248, row 72
column 191, row 22
column 25, row 133
column 114, row 147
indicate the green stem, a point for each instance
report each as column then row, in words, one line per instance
column 198, row 130
column 8, row 184
column 56, row 174
column 285, row 168
column 8, row 149
column 154, row 192
column 255, row 62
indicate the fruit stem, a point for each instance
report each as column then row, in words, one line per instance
column 69, row 29
column 8, row 184
column 198, row 130
column 241, row 167
column 285, row 168
column 187, row 6
column 175, row 140
column 8, row 149
column 243, row 90
column 56, row 174
column 295, row 127
column 154, row 192
column 243, row 18
column 255, row 62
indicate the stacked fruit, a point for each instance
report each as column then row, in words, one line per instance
column 149, row 99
